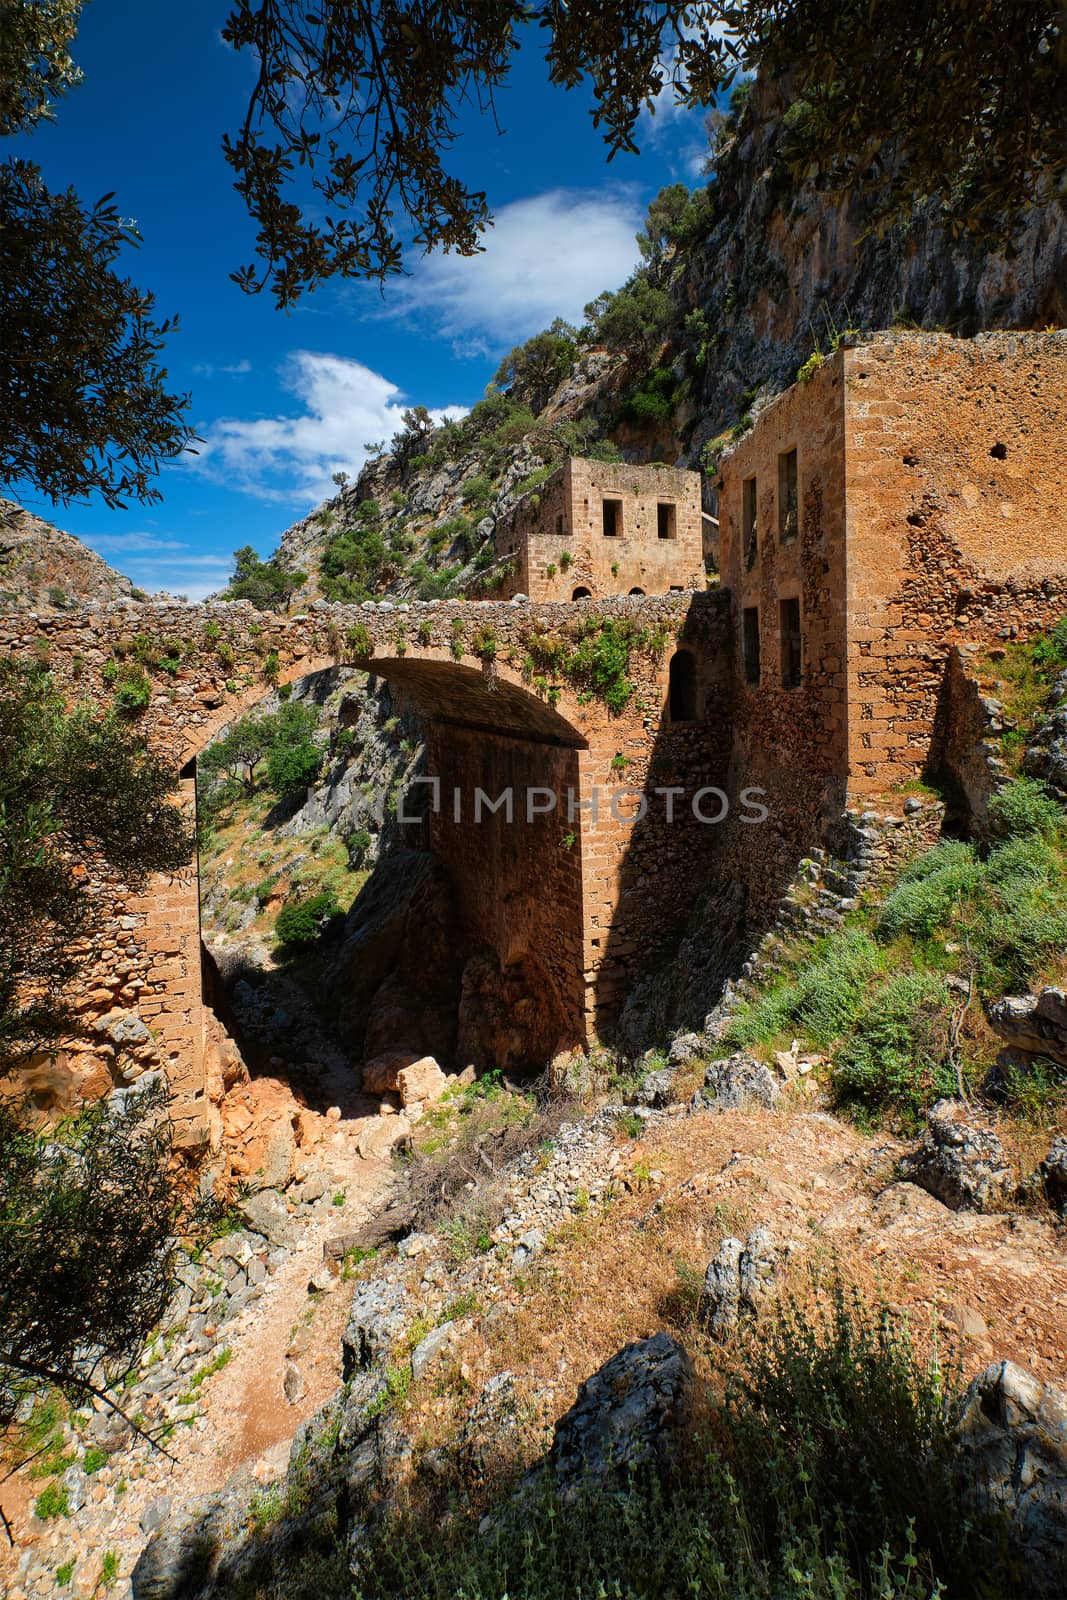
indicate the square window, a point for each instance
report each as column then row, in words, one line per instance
column 792, row 643
column 612, row 519
column 666, row 521
column 750, row 643
column 748, row 521
column 788, row 500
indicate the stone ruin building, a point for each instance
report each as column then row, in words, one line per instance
column 598, row 528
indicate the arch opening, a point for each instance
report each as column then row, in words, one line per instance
column 682, row 693
column 581, row 593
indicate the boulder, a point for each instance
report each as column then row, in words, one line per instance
column 626, row 1416
column 1035, row 1024
column 1054, row 1174
column 266, row 1213
column 736, row 1081
column 1011, row 1436
column 960, row 1163
column 380, row 1137
column 380, row 1074
column 378, row 1316
column 422, row 1081
column 739, row 1281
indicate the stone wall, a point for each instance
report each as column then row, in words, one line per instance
column 556, row 537
column 956, row 481
column 790, row 739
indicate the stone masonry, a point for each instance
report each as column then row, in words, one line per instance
column 598, row 528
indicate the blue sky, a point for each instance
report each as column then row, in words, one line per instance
column 282, row 400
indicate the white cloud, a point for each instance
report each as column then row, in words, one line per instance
column 545, row 257
column 151, row 563
column 290, row 459
column 235, row 369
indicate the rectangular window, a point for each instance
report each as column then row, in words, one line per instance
column 792, row 644
column 612, row 519
column 559, row 524
column 665, row 521
column 788, row 501
column 750, row 642
column 748, row 521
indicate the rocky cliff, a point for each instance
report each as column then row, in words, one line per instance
column 42, row 568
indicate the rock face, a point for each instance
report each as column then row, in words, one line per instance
column 1054, row 1174
column 739, row 1281
column 42, row 568
column 736, row 1081
column 1035, row 1024
column 961, row 1164
column 395, row 982
column 1012, row 1436
column 626, row 1416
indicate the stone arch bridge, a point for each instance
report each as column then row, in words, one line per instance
column 578, row 891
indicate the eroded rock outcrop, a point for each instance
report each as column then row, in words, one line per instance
column 1012, row 1457
column 960, row 1162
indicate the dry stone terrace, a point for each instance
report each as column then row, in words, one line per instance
column 552, row 897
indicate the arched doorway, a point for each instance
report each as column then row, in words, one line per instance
column 637, row 591
column 682, row 695
column 582, row 593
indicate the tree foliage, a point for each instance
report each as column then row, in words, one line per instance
column 75, row 790
column 539, row 366
column 282, row 740
column 88, row 1218
column 268, row 585
column 963, row 100
column 360, row 99
column 353, row 558
column 84, row 404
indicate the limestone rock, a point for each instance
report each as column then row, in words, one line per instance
column 380, row 1074
column 1012, row 1454
column 736, row 1081
column 422, row 1081
column 1034, row 1024
column 961, row 1164
column 376, row 1320
column 739, row 1281
column 381, row 1136
column 1054, row 1174
column 266, row 1213
column 625, row 1416
column 428, row 1350
column 293, row 1385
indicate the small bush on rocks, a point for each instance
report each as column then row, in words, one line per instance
column 300, row 921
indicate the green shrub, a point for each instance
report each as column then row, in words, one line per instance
column 300, row 921
column 821, row 1002
column 357, row 845
column 133, row 694
column 1024, row 807
column 358, row 641
column 895, row 1063
column 928, row 890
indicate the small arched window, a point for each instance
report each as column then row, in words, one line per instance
column 582, row 593
column 637, row 591
column 682, row 700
